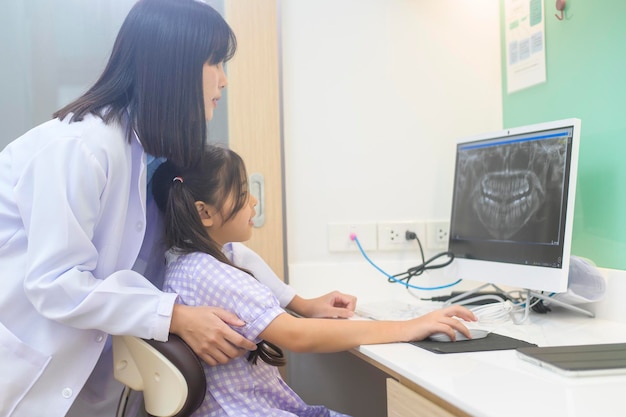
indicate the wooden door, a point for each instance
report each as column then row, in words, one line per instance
column 254, row 129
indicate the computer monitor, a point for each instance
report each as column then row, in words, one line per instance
column 513, row 206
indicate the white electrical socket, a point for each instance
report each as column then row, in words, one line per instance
column 339, row 236
column 392, row 235
column 437, row 234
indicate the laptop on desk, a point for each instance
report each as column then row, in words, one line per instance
column 580, row 360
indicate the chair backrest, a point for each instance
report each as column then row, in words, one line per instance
column 169, row 373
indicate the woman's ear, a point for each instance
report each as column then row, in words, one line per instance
column 203, row 211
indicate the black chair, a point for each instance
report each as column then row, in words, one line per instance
column 169, row 374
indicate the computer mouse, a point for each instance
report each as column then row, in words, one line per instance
column 443, row 337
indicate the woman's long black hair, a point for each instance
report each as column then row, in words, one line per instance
column 220, row 174
column 154, row 74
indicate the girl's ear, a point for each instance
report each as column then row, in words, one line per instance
column 203, row 211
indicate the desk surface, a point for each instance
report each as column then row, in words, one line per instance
column 498, row 383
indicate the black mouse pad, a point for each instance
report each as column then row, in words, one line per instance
column 493, row 341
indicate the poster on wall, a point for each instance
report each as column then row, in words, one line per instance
column 525, row 44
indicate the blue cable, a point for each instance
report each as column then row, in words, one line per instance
column 391, row 277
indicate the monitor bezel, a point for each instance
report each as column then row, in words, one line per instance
column 533, row 277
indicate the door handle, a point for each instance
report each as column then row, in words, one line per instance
column 257, row 189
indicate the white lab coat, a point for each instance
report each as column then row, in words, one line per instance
column 72, row 225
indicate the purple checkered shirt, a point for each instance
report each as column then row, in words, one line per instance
column 237, row 389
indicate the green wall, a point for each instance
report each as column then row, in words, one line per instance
column 585, row 78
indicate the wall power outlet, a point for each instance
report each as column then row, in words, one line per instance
column 437, row 234
column 392, row 235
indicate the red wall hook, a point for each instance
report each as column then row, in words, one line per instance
column 560, row 6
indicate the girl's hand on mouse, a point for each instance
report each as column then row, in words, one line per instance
column 445, row 320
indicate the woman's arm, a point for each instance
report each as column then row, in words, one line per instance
column 246, row 258
column 73, row 194
column 320, row 335
column 331, row 305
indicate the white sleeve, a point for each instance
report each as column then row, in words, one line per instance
column 246, row 258
column 72, row 262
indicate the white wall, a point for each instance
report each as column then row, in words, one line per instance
column 376, row 93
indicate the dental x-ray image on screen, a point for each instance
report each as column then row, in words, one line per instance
column 511, row 184
column 513, row 203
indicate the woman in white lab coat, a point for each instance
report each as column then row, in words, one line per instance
column 79, row 251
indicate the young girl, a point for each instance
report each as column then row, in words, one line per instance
column 206, row 209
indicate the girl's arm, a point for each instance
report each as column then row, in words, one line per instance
column 320, row 335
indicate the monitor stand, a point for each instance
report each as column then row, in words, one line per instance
column 465, row 298
column 531, row 293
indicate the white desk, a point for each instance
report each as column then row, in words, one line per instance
column 497, row 383
column 481, row 384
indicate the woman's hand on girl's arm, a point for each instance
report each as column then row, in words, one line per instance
column 206, row 330
column 332, row 305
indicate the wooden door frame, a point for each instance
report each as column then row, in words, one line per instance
column 254, row 115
